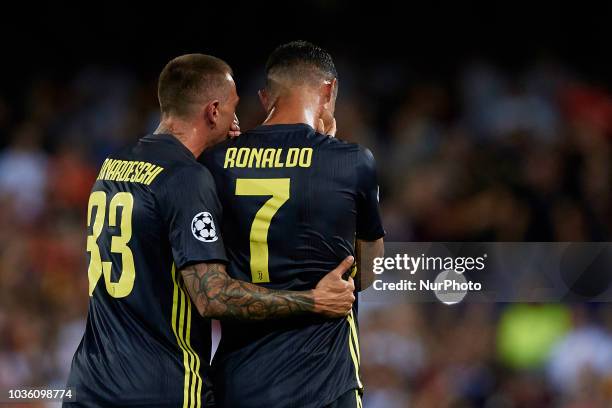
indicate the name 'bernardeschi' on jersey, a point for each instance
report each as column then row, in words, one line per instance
column 129, row 170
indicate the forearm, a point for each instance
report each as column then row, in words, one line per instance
column 217, row 295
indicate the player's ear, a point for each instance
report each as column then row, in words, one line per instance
column 329, row 92
column 211, row 113
column 263, row 98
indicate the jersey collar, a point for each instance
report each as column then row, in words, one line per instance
column 171, row 139
column 283, row 127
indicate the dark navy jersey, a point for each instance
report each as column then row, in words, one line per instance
column 153, row 210
column 294, row 201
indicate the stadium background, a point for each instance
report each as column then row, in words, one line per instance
column 488, row 124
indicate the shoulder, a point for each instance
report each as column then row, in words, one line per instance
column 362, row 154
column 366, row 158
column 186, row 176
column 193, row 171
column 361, row 158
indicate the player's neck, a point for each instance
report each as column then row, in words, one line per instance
column 194, row 144
column 292, row 109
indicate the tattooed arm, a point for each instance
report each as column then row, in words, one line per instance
column 217, row 295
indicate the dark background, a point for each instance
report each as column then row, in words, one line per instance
column 432, row 40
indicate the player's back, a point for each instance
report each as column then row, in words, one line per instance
column 291, row 201
column 143, row 344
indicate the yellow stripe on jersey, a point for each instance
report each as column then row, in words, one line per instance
column 353, row 271
column 186, row 354
column 192, row 381
column 358, row 399
column 197, row 385
column 351, row 320
column 354, row 355
column 175, row 307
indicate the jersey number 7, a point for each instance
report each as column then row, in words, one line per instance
column 279, row 190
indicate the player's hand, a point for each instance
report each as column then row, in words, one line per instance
column 333, row 295
column 234, row 128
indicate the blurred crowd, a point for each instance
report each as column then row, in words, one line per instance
column 488, row 155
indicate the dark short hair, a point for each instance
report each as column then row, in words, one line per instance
column 300, row 60
column 189, row 79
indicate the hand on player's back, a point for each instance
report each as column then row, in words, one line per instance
column 333, row 295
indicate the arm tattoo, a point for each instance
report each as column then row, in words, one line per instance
column 217, row 295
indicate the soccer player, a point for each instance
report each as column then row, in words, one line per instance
column 153, row 237
column 295, row 202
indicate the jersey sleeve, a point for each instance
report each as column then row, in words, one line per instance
column 192, row 212
column 369, row 223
